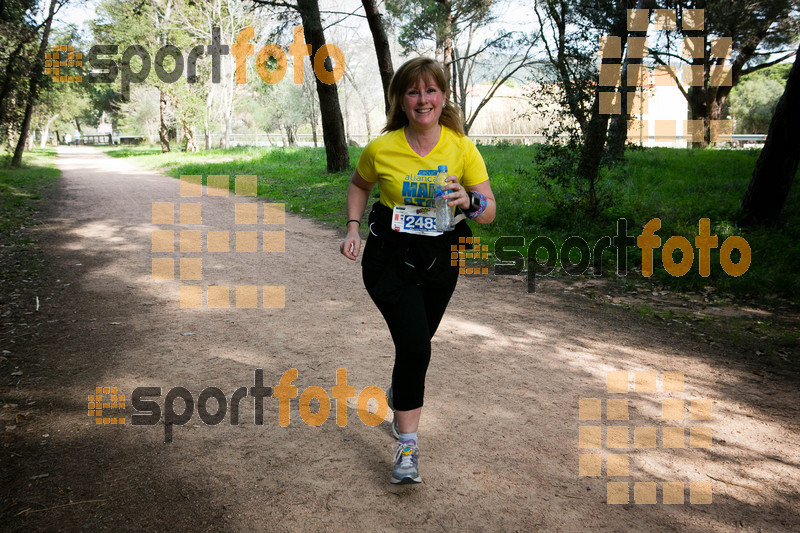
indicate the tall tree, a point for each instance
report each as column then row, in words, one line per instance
column 618, row 125
column 333, row 134
column 33, row 87
column 126, row 23
column 750, row 31
column 778, row 161
column 570, row 31
column 217, row 21
column 452, row 28
column 160, row 15
column 504, row 56
column 18, row 42
column 382, row 50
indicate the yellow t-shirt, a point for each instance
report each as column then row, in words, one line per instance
column 406, row 178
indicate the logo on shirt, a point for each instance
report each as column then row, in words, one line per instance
column 419, row 189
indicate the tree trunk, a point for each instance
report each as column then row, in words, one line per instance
column 459, row 87
column 46, row 133
column 33, row 90
column 206, row 127
column 382, row 50
column 225, row 142
column 618, row 127
column 290, row 136
column 163, row 132
column 777, row 163
column 364, row 104
column 596, row 131
column 338, row 158
column 10, row 78
column 447, row 57
column 191, row 143
column 314, row 131
column 592, row 151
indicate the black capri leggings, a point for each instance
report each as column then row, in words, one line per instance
column 412, row 320
column 411, row 279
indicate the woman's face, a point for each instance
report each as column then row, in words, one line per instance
column 422, row 104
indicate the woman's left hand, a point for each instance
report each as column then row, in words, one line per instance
column 457, row 194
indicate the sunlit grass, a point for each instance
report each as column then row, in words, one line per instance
column 21, row 189
column 677, row 186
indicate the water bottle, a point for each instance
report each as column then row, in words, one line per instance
column 444, row 213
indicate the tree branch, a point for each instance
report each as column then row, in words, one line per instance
column 273, row 3
column 346, row 16
column 674, row 76
column 497, row 84
column 756, row 68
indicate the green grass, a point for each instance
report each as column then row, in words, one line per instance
column 678, row 186
column 21, row 190
column 21, row 196
column 295, row 176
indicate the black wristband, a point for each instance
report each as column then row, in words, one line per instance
column 472, row 208
column 353, row 220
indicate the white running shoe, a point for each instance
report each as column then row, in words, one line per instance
column 406, row 464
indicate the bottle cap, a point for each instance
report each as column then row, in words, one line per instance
column 442, row 168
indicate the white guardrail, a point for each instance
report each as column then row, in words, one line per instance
column 307, row 139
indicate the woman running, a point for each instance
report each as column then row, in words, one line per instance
column 406, row 266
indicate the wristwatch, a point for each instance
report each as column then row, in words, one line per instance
column 474, row 202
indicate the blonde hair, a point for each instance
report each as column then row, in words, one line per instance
column 411, row 72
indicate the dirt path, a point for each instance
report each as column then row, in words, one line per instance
column 499, row 434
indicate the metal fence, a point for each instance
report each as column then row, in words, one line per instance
column 306, row 139
column 361, row 139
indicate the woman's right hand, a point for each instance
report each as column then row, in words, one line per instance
column 351, row 245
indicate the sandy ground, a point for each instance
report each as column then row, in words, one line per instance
column 500, row 429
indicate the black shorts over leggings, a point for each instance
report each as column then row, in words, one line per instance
column 411, row 280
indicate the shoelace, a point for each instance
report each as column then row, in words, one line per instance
column 406, row 459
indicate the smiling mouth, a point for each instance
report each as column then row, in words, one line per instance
column 424, row 111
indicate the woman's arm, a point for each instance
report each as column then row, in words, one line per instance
column 458, row 196
column 357, row 195
column 491, row 206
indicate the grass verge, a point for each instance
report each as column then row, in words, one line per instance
column 21, row 191
column 677, row 186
